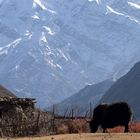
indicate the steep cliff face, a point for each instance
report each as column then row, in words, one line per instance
column 127, row 89
column 50, row 49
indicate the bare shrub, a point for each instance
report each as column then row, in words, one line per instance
column 63, row 129
column 135, row 127
column 117, row 129
column 71, row 126
column 77, row 126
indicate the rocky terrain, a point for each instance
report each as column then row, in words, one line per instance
column 50, row 49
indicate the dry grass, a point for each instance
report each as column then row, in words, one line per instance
column 96, row 136
column 133, row 128
column 81, row 126
column 72, row 126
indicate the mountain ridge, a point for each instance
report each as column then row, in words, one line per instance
column 127, row 89
column 68, row 43
column 88, row 96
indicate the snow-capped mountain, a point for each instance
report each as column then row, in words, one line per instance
column 49, row 49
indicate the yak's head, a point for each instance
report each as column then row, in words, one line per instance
column 98, row 116
column 94, row 125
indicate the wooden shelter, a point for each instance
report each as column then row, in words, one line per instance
column 10, row 102
column 16, row 114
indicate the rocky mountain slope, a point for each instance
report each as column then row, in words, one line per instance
column 50, row 49
column 127, row 89
column 86, row 97
column 5, row 92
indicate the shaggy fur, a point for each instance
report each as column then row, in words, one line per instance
column 109, row 116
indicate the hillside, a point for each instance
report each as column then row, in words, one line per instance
column 81, row 101
column 127, row 89
column 5, row 92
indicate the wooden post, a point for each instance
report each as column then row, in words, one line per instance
column 72, row 113
column 38, row 118
column 90, row 109
column 53, row 120
column 65, row 113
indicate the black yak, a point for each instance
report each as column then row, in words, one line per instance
column 109, row 116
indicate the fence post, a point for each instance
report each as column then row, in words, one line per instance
column 72, row 113
column 90, row 109
column 37, row 125
column 53, row 120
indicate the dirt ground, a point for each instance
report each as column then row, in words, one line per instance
column 97, row 136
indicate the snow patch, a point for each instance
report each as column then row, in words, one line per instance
column 133, row 19
column 97, row 1
column 49, row 30
column 62, row 54
column 38, row 2
column 35, row 17
column 17, row 67
column 50, row 62
column 28, row 34
column 43, row 39
column 59, row 66
column 88, row 84
column 14, row 43
column 51, row 11
column 137, row 6
column 111, row 10
column 3, row 51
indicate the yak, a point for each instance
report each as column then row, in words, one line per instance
column 111, row 115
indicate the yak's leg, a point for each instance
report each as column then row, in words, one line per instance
column 104, row 130
column 126, row 128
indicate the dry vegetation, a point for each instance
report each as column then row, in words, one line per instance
column 22, row 121
column 72, row 126
column 82, row 126
column 87, row 136
column 39, row 123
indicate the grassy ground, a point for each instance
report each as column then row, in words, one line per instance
column 96, row 136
